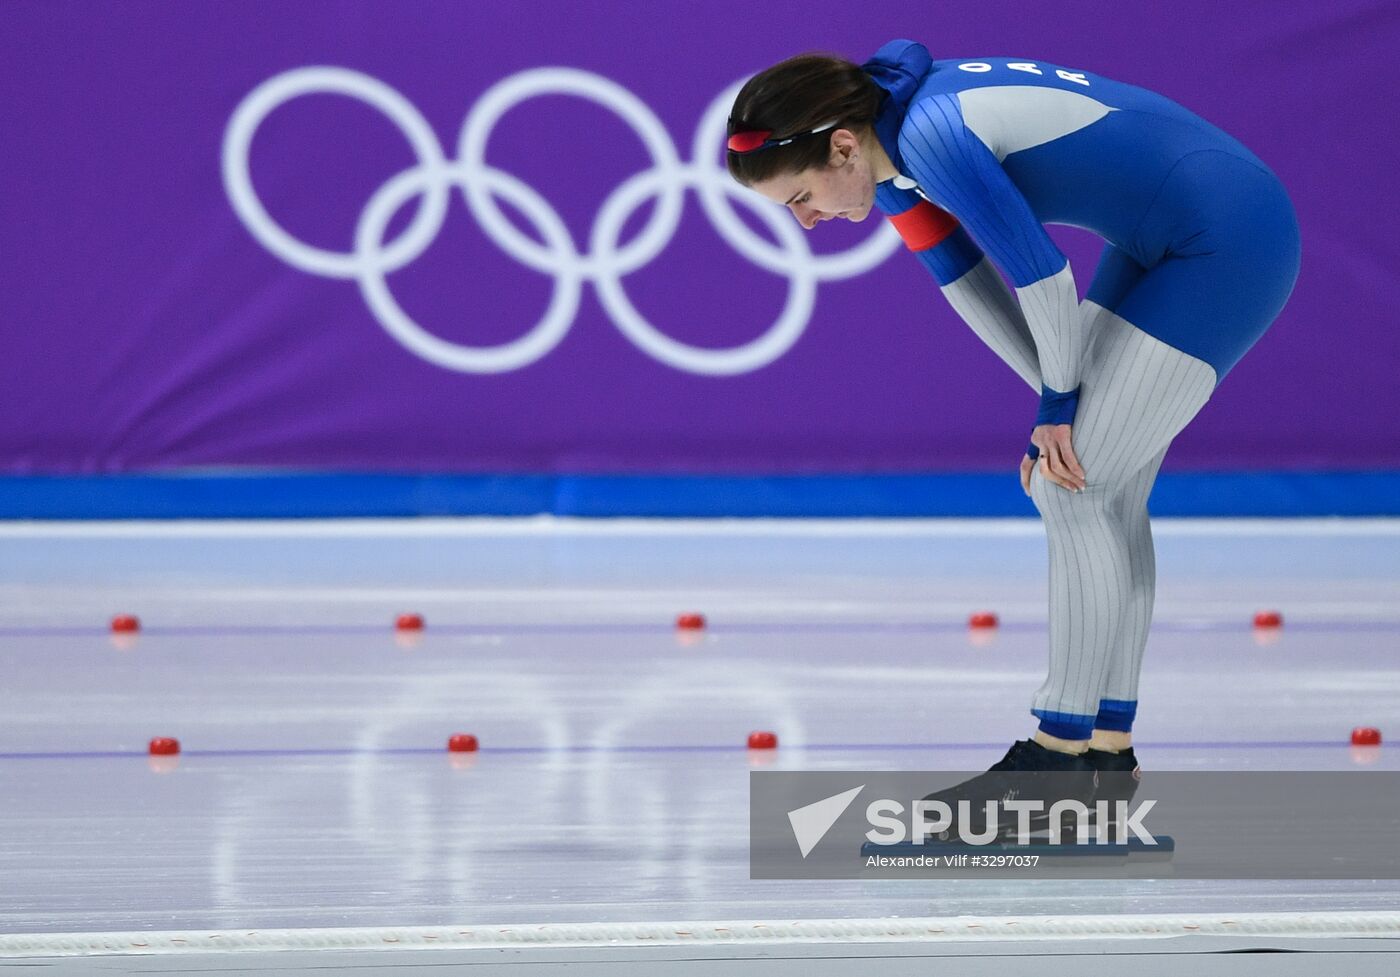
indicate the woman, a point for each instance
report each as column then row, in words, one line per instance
column 1202, row 252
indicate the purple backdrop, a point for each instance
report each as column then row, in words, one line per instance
column 148, row 326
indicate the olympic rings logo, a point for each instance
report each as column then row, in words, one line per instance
column 606, row 260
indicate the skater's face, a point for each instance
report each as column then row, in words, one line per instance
column 844, row 187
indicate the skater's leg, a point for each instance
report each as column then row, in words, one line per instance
column 1114, row 278
column 1136, row 396
column 1117, row 708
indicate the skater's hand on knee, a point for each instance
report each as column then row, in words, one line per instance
column 1057, row 460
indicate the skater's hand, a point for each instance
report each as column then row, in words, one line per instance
column 1057, row 461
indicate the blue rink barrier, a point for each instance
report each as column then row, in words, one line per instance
column 245, row 495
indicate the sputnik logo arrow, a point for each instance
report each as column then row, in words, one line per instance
column 811, row 823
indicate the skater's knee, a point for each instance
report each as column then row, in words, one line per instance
column 1057, row 504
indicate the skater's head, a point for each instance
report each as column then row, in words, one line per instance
column 801, row 133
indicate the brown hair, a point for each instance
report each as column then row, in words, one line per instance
column 791, row 99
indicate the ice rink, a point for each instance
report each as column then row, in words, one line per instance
column 315, row 819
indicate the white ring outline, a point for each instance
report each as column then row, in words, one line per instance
column 516, row 89
column 542, row 338
column 779, row 337
column 238, row 179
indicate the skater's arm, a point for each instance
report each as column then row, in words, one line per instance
column 974, row 288
column 958, row 172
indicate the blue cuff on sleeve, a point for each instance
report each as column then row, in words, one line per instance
column 1056, row 407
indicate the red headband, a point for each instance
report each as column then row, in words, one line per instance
column 756, row 139
column 747, row 142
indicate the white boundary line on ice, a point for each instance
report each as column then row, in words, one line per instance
column 981, row 929
column 575, row 526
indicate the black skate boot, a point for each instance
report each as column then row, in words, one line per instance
column 1119, row 775
column 1028, row 772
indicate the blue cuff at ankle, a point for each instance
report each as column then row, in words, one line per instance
column 1065, row 725
column 1116, row 715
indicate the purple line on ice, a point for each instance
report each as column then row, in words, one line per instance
column 765, row 627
